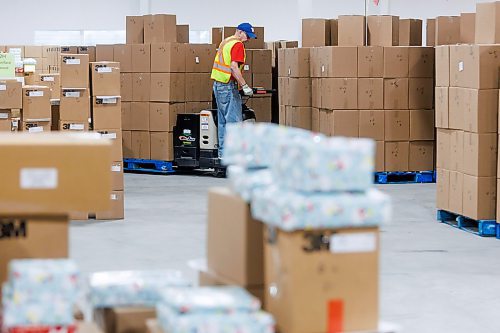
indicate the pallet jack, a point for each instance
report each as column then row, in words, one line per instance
column 196, row 145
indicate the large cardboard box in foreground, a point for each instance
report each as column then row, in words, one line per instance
column 239, row 257
column 54, row 174
column 124, row 320
column 312, row 286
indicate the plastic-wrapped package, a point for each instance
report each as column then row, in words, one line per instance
column 212, row 309
column 56, row 312
column 325, row 164
column 246, row 181
column 131, row 288
column 291, row 211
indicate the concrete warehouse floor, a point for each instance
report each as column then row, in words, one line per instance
column 434, row 278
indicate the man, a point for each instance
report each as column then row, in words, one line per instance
column 227, row 74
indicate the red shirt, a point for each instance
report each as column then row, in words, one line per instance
column 238, row 55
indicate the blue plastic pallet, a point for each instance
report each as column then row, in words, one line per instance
column 148, row 166
column 498, row 230
column 483, row 228
column 400, row 177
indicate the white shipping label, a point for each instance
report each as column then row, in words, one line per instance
column 3, row 87
column 35, row 94
column 353, row 243
column 109, row 136
column 77, row 127
column 114, row 197
column 72, row 61
column 38, row 178
column 47, row 78
column 72, row 94
column 116, row 168
column 197, row 60
column 104, row 70
column 322, row 69
column 36, row 129
column 204, row 127
column 109, row 100
column 461, row 66
column 15, row 123
column 289, row 71
column 4, row 116
column 246, row 67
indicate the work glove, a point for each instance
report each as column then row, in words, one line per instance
column 247, row 90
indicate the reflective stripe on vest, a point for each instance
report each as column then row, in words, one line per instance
column 221, row 70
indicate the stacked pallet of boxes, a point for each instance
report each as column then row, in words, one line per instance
column 467, row 121
column 380, row 91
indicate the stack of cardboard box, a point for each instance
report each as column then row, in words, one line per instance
column 36, row 114
column 467, row 122
column 449, row 30
column 11, row 102
column 47, row 57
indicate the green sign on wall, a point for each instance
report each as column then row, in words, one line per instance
column 7, row 65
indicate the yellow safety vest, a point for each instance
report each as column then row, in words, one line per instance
column 221, row 70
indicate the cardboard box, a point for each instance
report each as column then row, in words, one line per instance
column 443, row 189
column 334, row 32
column 421, row 94
column 200, row 58
column 168, row 58
column 104, row 53
column 30, row 237
column 397, row 156
column 345, row 123
column 262, row 107
column 431, row 32
column 447, row 30
column 259, row 80
column 117, row 176
column 31, row 51
column 421, row 125
column 73, row 126
column 122, row 53
column 370, row 94
column 126, row 116
column 33, row 127
column 261, row 61
column 397, row 125
column 127, row 144
column 36, row 103
column 53, row 174
column 141, row 87
column 139, row 116
column 480, row 154
column 299, row 264
column 126, row 87
column 340, row 94
column 141, row 145
column 383, row 30
column 196, row 107
column 198, row 87
column 474, row 66
column 370, row 61
column 134, row 30
column 396, row 62
column 284, row 90
column 74, row 71
column 257, row 44
column 396, row 94
column 183, row 33
column 90, row 50
column 300, row 91
column 443, row 155
column 75, row 105
column 168, row 87
column 67, row 49
column 124, row 320
column 163, row 116
column 339, row 62
column 379, row 156
column 116, row 138
column 162, row 146
column 467, row 28
column 372, row 124
column 160, row 28
column 487, row 23
column 141, row 58
column 11, row 94
column 410, row 32
column 117, row 211
column 480, row 110
column 239, row 258
column 352, row 30
column 455, row 203
column 105, row 78
column 299, row 117
column 316, row 32
column 316, row 96
column 106, row 113
column 479, row 199
column 282, row 117
column 457, row 151
column 421, row 156
column 442, row 107
column 442, row 66
column 421, row 62
column 216, row 36
column 52, row 81
column 456, row 108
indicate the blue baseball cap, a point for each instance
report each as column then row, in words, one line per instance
column 248, row 29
